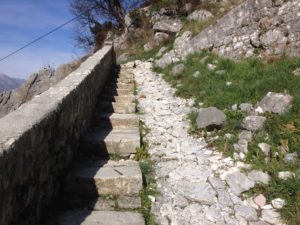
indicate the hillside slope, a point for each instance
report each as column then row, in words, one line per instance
column 8, row 83
column 36, row 84
column 254, row 28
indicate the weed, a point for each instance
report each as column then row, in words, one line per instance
column 146, row 165
column 192, row 116
column 115, row 156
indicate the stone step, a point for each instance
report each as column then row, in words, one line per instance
column 125, row 80
column 106, row 179
column 102, row 142
column 126, row 75
column 120, row 85
column 87, row 217
column 116, row 203
column 115, row 107
column 116, row 120
column 118, row 91
column 122, row 80
column 119, row 99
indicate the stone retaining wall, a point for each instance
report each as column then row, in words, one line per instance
column 39, row 140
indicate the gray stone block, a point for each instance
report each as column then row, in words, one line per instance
column 116, row 179
column 86, row 217
column 116, row 120
column 116, row 141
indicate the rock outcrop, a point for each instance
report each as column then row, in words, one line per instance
column 36, row 84
column 261, row 28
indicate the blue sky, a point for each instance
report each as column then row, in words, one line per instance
column 21, row 21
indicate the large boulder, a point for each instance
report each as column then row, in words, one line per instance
column 168, row 26
column 275, row 103
column 200, row 15
column 210, row 118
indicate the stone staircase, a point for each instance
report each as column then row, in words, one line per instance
column 99, row 190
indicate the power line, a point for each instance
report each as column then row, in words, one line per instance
column 39, row 38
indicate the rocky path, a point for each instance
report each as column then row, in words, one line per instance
column 197, row 185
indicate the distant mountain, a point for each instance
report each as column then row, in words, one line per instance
column 8, row 83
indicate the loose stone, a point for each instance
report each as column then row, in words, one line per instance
column 259, row 177
column 285, row 175
column 239, row 182
column 260, row 200
column 246, row 212
column 278, row 203
column 253, row 123
column 271, row 216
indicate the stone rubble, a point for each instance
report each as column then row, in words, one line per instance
column 196, row 184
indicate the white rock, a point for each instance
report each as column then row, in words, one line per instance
column 253, row 123
column 260, row 200
column 197, row 74
column 268, row 206
column 259, row 177
column 246, row 107
column 211, row 67
column 234, row 107
column 246, row 135
column 270, row 216
column 239, row 182
column 285, row 175
column 265, row 148
column 241, row 146
column 259, row 223
column 152, row 198
column 246, row 212
column 291, row 158
column 278, row 203
column 228, row 136
column 197, row 192
column 250, row 202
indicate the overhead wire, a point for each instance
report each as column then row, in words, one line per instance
column 39, row 38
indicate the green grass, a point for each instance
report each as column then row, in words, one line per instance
column 135, row 50
column 146, row 164
column 251, row 80
column 115, row 156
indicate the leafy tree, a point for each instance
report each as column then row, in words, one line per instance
column 97, row 17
